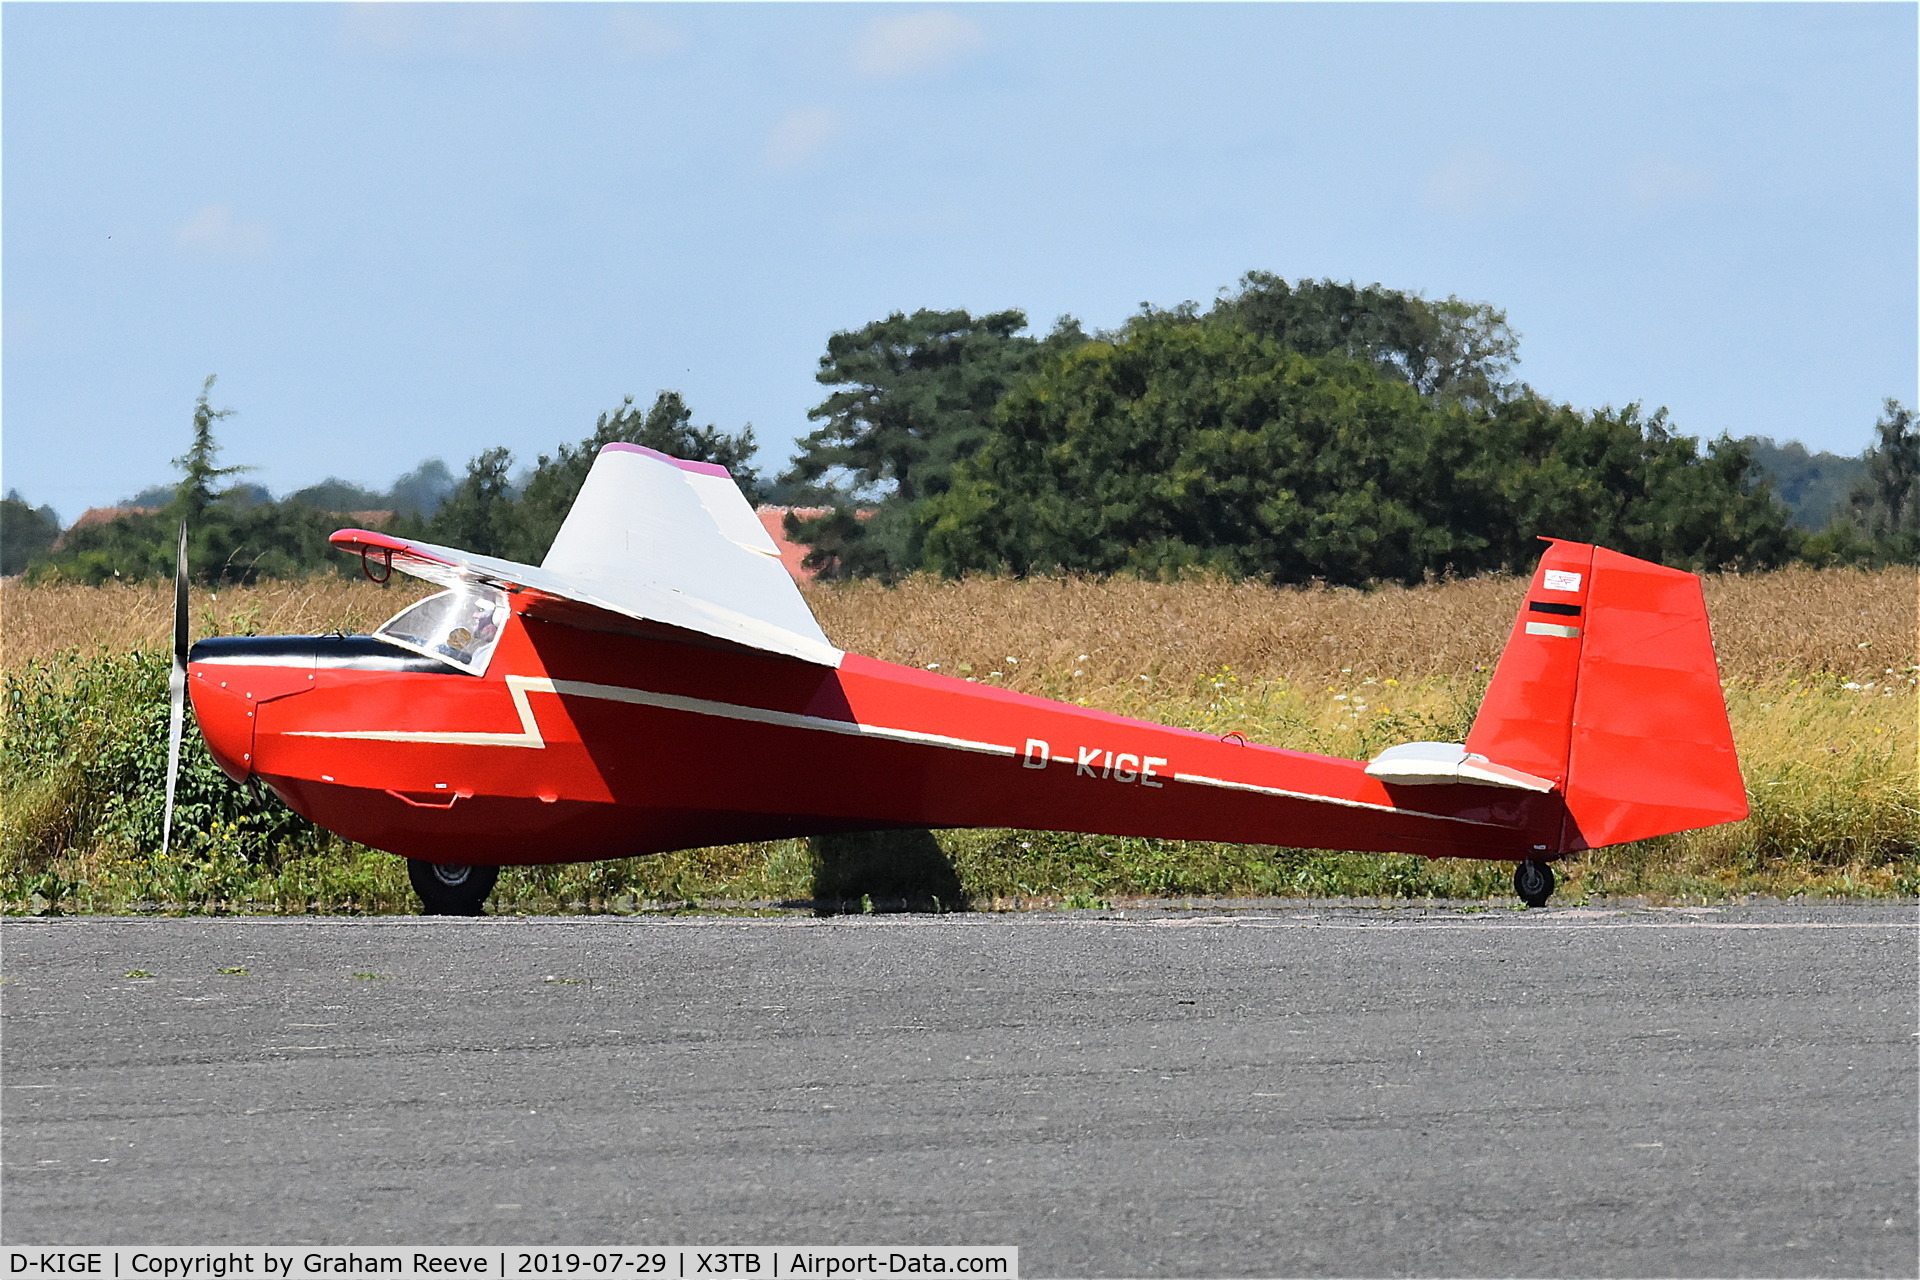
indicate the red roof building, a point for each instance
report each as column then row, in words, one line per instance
column 774, row 521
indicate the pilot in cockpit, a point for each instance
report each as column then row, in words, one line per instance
column 474, row 633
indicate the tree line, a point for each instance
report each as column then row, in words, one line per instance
column 234, row 535
column 1292, row 431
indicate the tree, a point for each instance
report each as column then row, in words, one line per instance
column 237, row 534
column 337, row 495
column 1614, row 477
column 1460, row 350
column 421, row 491
column 1886, row 502
column 26, row 532
column 916, row 394
column 915, row 397
column 195, row 492
column 417, row 493
column 1180, row 445
column 1813, row 485
column 240, row 534
column 479, row 514
column 666, row 426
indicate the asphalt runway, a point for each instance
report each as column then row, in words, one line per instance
column 1314, row 1090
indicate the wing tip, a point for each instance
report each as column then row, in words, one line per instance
column 355, row 538
column 685, row 464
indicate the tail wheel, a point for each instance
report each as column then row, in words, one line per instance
column 1533, row 881
column 446, row 890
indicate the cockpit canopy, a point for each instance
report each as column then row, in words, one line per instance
column 459, row 627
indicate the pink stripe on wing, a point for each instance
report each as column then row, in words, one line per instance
column 705, row 468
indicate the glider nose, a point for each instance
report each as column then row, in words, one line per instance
column 223, row 708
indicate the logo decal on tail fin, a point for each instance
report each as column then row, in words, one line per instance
column 1561, row 580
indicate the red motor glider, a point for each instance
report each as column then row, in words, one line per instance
column 659, row 683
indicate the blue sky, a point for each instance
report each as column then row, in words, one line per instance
column 398, row 231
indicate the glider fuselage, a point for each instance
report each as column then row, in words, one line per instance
column 579, row 745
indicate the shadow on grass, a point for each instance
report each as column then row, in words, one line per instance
column 882, row 871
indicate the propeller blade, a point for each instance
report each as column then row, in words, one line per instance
column 180, row 601
column 176, row 686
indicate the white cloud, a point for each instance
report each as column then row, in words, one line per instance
column 214, row 230
column 1473, row 182
column 893, row 48
column 800, row 135
column 1662, row 183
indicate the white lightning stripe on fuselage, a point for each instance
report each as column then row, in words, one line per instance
column 761, row 715
column 529, row 736
column 1202, row 780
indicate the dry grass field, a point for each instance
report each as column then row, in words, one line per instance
column 1841, row 622
column 1819, row 666
column 1768, row 626
column 37, row 622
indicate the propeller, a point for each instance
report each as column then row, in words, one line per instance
column 176, row 685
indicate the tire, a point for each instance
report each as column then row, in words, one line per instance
column 1533, row 882
column 446, row 890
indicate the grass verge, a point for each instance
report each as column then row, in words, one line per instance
column 1829, row 764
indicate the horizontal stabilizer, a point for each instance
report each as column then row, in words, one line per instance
column 1427, row 764
column 650, row 539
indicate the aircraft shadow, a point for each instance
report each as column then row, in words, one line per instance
column 883, row 871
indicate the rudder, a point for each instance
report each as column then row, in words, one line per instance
column 1652, row 751
column 1609, row 688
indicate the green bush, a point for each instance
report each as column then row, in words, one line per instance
column 83, row 761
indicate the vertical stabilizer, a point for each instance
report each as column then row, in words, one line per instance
column 1652, row 751
column 1609, row 688
column 1526, row 720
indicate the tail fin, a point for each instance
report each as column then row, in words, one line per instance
column 1609, row 688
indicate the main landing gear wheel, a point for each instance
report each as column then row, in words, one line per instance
column 448, row 890
column 1533, row 881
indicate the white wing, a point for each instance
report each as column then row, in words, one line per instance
column 650, row 539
